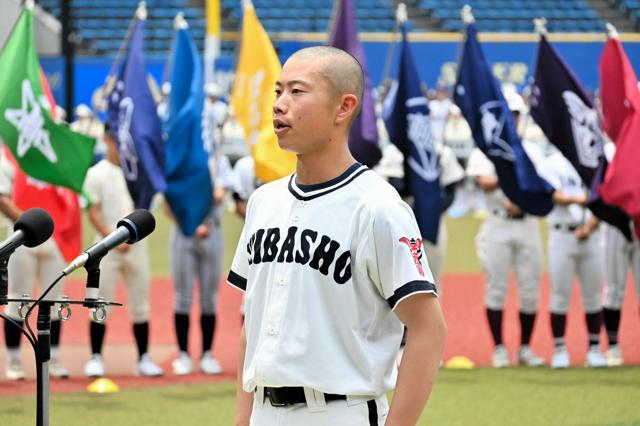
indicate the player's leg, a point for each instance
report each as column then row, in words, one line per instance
column 562, row 251
column 209, row 274
column 635, row 265
column 22, row 274
column 50, row 266
column 110, row 269
column 495, row 254
column 183, row 267
column 137, row 278
column 590, row 274
column 616, row 263
column 436, row 253
column 528, row 267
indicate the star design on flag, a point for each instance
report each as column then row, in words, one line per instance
column 29, row 122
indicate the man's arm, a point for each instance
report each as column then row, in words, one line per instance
column 8, row 208
column 564, row 200
column 244, row 400
column 487, row 183
column 426, row 331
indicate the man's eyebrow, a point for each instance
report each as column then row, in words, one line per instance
column 292, row 82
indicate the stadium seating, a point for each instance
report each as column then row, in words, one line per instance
column 516, row 15
column 631, row 8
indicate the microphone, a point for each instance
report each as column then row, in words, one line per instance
column 32, row 228
column 132, row 228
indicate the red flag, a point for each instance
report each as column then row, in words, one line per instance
column 619, row 92
column 61, row 203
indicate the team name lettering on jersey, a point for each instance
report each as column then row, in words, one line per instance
column 304, row 247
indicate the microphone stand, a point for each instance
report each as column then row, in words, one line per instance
column 42, row 343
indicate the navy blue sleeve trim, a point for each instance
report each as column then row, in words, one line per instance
column 410, row 288
column 237, row 281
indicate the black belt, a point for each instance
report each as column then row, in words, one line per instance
column 565, row 227
column 507, row 215
column 280, row 397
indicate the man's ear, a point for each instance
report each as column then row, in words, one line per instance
column 348, row 108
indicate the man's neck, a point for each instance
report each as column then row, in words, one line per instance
column 322, row 166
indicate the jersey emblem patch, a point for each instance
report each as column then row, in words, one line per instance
column 415, row 247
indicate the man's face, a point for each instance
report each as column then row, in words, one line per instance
column 305, row 107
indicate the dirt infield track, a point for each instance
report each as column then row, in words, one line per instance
column 462, row 302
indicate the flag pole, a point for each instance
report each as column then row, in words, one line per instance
column 612, row 32
column 540, row 27
column 401, row 17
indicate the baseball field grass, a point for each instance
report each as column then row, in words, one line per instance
column 482, row 396
column 515, row 396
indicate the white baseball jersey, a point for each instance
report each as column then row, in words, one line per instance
column 323, row 266
column 559, row 172
column 244, row 178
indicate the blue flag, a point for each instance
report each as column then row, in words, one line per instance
column 363, row 137
column 480, row 98
column 567, row 116
column 189, row 188
column 409, row 128
column 136, row 127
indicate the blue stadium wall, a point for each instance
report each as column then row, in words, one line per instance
column 512, row 61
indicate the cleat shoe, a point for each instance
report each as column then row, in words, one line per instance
column 210, row 365
column 14, row 370
column 528, row 358
column 614, row 356
column 57, row 370
column 595, row 358
column 147, row 368
column 560, row 358
column 95, row 366
column 500, row 358
column 182, row 365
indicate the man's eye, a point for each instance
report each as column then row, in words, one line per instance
column 296, row 91
column 278, row 92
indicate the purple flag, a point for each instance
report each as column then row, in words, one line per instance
column 363, row 138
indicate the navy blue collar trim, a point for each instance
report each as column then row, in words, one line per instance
column 309, row 192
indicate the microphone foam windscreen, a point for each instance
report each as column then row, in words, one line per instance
column 140, row 223
column 37, row 226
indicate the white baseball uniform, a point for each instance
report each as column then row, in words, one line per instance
column 44, row 262
column 568, row 255
column 323, row 267
column 105, row 184
column 505, row 241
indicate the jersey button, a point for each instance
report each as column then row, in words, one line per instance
column 301, row 203
column 281, row 281
column 295, row 219
column 272, row 331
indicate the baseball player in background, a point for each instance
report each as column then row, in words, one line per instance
column 331, row 264
column 106, row 186
column 573, row 248
column 200, row 255
column 26, row 265
column 508, row 238
column 620, row 255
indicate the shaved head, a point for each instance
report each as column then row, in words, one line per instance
column 342, row 71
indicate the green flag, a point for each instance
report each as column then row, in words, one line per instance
column 44, row 150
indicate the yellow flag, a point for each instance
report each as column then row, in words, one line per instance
column 253, row 95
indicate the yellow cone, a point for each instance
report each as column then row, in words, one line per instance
column 460, row 362
column 103, row 385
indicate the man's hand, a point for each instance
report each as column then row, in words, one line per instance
column 202, row 231
column 123, row 248
column 512, row 208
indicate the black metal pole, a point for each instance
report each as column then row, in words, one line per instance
column 43, row 355
column 68, row 53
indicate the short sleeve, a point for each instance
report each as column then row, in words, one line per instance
column 224, row 177
column 92, row 185
column 479, row 164
column 244, row 178
column 395, row 258
column 452, row 171
column 7, row 173
column 240, row 265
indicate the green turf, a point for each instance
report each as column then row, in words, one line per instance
column 515, row 396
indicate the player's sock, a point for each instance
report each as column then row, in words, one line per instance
column 594, row 323
column 526, row 327
column 495, row 324
column 97, row 330
column 611, row 324
column 558, row 324
column 56, row 325
column 181, row 322
column 141, row 333
column 12, row 334
column 208, row 327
